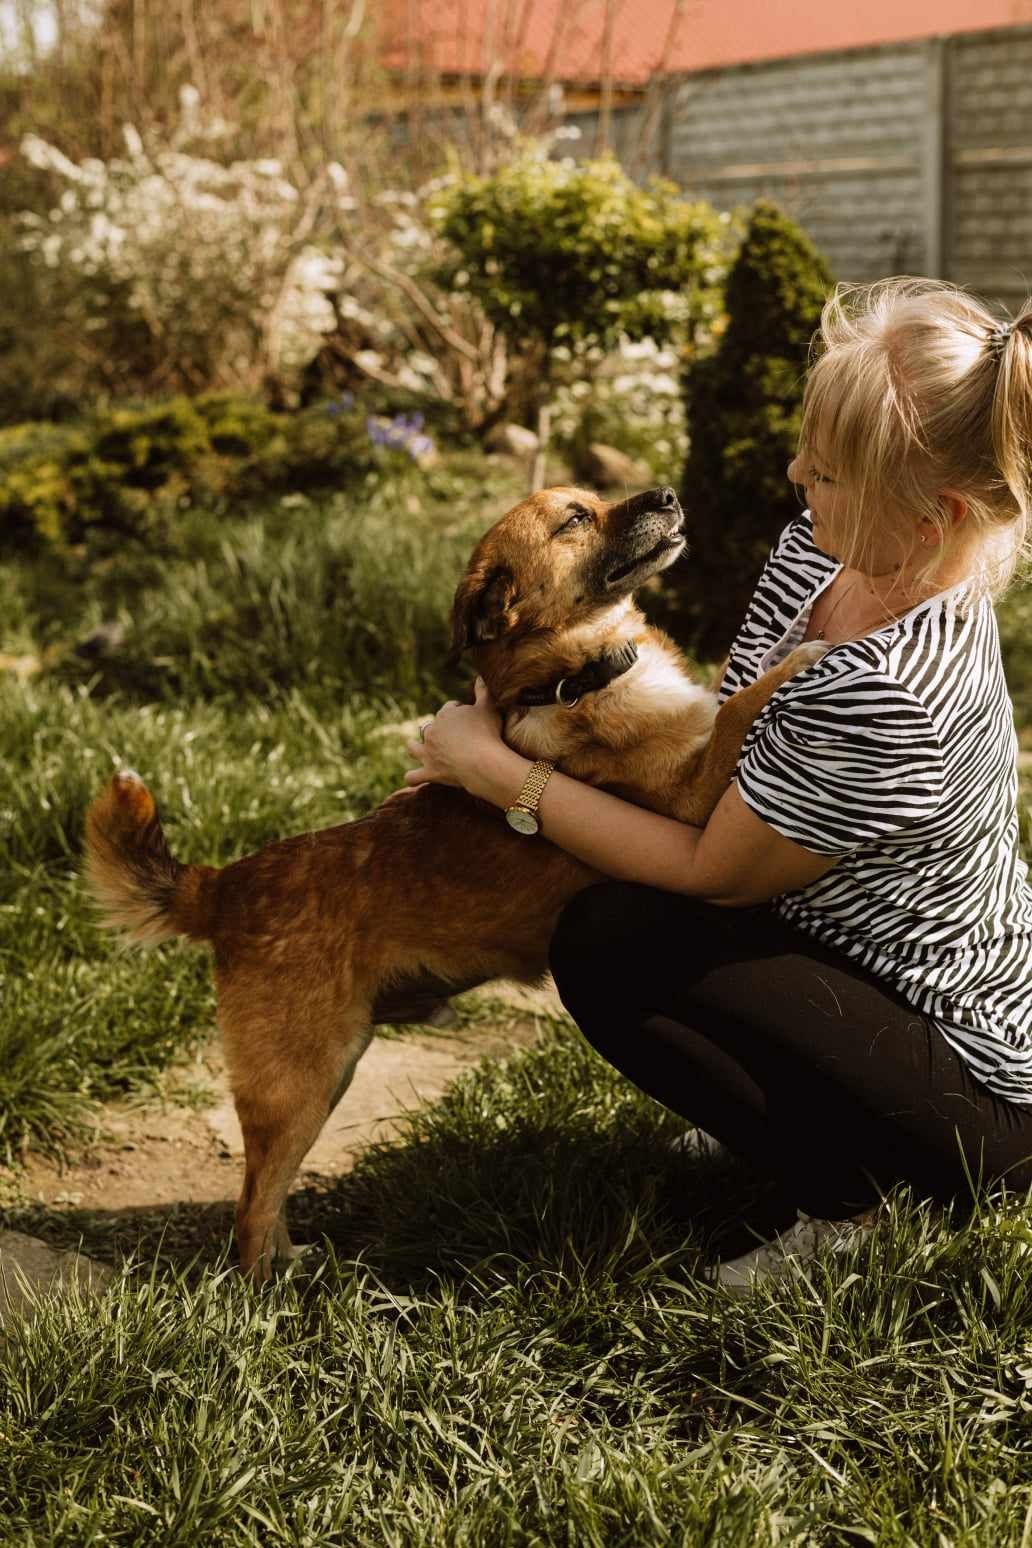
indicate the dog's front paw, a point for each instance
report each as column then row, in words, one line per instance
column 806, row 655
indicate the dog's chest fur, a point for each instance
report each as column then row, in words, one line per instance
column 654, row 710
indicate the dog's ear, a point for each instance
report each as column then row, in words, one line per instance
column 482, row 610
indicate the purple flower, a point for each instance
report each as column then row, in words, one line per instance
column 340, row 405
column 403, row 433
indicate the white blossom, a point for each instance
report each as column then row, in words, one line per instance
column 204, row 251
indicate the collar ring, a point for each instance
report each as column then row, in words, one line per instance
column 566, row 703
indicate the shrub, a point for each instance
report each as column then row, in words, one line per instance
column 206, row 267
column 129, row 471
column 1014, row 612
column 631, row 400
column 37, row 498
column 743, row 407
column 560, row 252
column 572, row 255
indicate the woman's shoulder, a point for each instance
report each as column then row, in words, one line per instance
column 796, row 543
column 941, row 654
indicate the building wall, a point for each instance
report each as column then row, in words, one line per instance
column 989, row 187
column 835, row 138
column 911, row 157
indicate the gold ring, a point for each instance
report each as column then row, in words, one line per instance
column 422, row 729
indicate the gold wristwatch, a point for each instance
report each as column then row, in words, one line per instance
column 522, row 814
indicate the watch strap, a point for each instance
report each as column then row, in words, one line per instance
column 534, row 784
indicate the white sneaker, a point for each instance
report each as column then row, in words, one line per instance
column 799, row 1243
column 697, row 1145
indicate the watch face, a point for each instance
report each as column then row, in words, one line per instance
column 523, row 821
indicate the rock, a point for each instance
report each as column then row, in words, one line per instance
column 104, row 640
column 22, row 666
column 30, row 1269
column 609, row 468
column 513, row 440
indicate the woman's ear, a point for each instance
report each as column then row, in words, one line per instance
column 956, row 506
column 482, row 610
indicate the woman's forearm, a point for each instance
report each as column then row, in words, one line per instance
column 610, row 835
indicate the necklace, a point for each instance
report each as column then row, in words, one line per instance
column 827, row 622
column 826, row 625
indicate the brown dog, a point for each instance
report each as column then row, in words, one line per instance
column 317, row 938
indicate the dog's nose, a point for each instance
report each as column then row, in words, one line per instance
column 667, row 498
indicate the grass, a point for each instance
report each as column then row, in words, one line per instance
column 81, row 1017
column 507, row 1341
column 506, row 1338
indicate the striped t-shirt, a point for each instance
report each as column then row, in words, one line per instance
column 897, row 753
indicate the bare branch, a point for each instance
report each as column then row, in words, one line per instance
column 423, row 305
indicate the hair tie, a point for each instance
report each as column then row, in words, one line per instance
column 1000, row 334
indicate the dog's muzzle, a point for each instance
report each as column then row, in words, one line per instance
column 652, row 534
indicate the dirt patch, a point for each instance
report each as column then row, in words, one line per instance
column 172, row 1169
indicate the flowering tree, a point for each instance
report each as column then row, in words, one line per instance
column 214, row 262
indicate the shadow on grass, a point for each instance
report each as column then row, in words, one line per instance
column 435, row 1207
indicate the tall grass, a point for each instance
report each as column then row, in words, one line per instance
column 259, row 659
column 341, row 596
column 506, row 1340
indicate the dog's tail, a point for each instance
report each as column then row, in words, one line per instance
column 138, row 885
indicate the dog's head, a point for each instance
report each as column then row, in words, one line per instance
column 560, row 559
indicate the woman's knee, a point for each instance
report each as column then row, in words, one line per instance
column 589, row 930
column 612, row 912
column 612, row 934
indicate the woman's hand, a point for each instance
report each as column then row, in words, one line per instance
column 457, row 742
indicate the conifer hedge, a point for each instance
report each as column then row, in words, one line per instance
column 743, row 405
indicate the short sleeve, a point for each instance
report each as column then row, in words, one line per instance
column 842, row 760
column 794, row 569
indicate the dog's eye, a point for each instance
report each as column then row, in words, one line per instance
column 575, row 515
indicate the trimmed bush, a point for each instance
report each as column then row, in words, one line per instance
column 128, row 472
column 743, row 407
column 575, row 255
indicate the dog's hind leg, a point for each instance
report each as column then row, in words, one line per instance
column 282, row 1107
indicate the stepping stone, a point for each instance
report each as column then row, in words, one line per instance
column 30, row 1269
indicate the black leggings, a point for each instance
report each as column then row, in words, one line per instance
column 793, row 1056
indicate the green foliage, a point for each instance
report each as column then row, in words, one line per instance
column 558, row 252
column 37, row 497
column 505, row 1340
column 129, row 472
column 329, row 595
column 743, row 407
column 1014, row 615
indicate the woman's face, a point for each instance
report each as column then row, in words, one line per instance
column 884, row 551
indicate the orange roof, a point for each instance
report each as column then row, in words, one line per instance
column 628, row 40
column 564, row 40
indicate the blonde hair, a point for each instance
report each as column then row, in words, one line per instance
column 915, row 387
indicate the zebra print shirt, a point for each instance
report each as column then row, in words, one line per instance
column 897, row 753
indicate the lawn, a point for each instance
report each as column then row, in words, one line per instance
column 505, row 1337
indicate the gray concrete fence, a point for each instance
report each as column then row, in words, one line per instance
column 910, row 158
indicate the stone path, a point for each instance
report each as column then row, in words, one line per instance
column 159, row 1156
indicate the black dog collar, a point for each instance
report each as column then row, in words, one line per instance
column 592, row 676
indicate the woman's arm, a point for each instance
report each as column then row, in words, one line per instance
column 736, row 859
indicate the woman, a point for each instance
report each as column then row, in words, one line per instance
column 833, row 976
